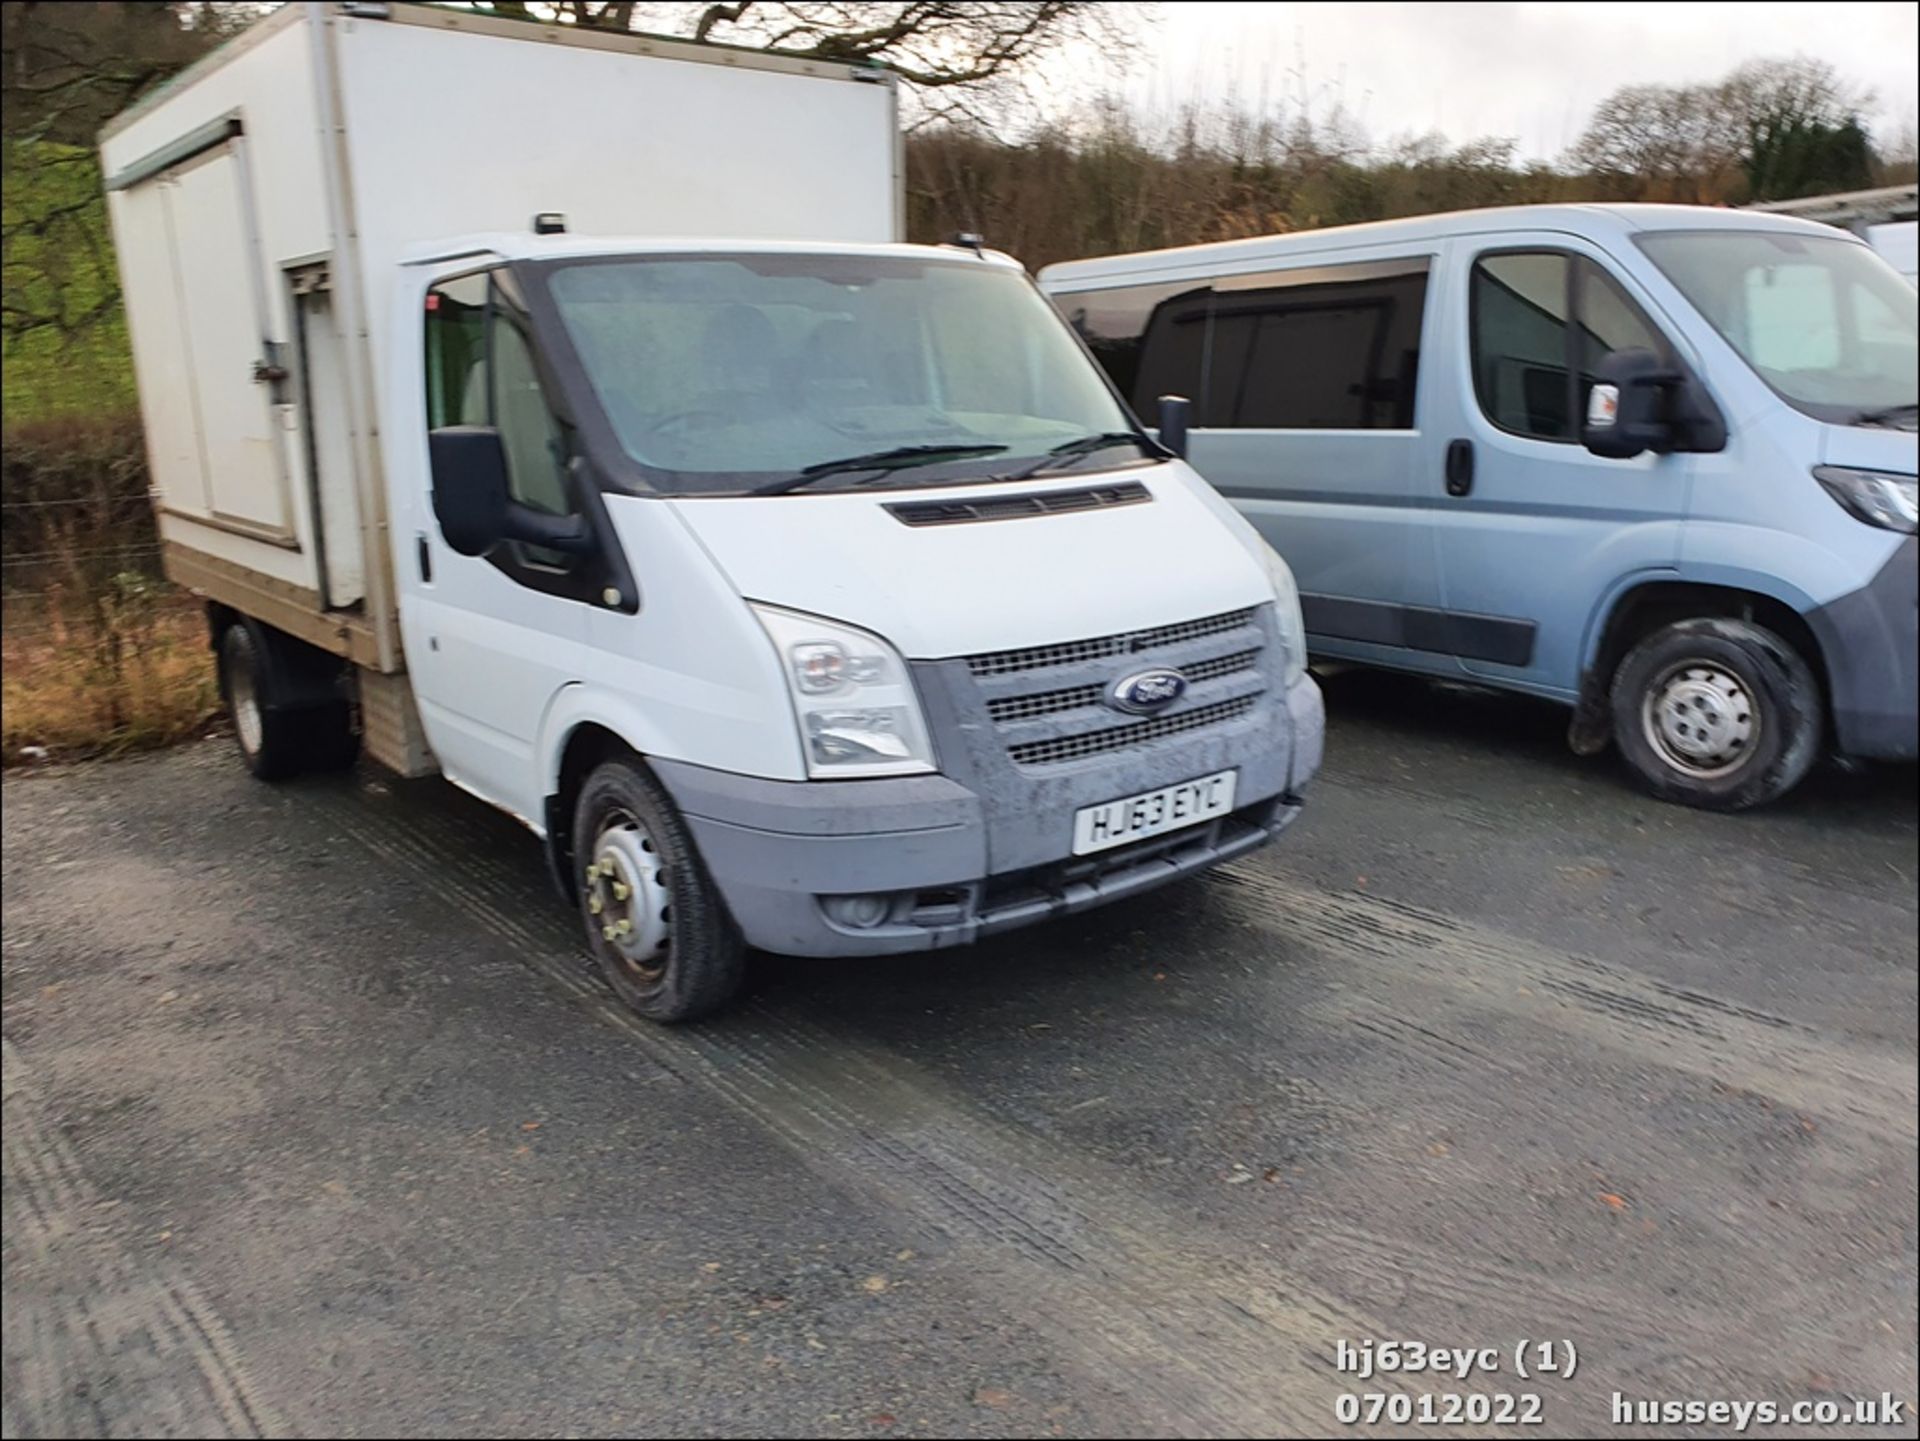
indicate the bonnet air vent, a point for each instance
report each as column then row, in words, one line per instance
column 1015, row 507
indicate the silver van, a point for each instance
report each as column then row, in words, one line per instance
column 1655, row 462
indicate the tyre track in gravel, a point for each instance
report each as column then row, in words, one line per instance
column 1590, row 1001
column 135, row 1349
column 1203, row 1337
column 1063, row 1238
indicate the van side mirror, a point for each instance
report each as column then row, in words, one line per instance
column 473, row 504
column 1175, row 411
column 1630, row 406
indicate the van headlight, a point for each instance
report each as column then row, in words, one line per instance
column 1891, row 502
column 1286, row 606
column 852, row 696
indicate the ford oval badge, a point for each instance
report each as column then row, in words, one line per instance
column 1147, row 691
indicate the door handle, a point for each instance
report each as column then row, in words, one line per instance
column 423, row 556
column 1459, row 467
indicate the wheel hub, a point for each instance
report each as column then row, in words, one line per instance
column 1700, row 719
column 245, row 703
column 628, row 898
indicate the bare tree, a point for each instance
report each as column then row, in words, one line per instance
column 963, row 58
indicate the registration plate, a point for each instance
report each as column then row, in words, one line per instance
column 1152, row 813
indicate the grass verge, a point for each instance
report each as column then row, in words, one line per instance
column 69, row 691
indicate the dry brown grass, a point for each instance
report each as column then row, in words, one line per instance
column 126, row 676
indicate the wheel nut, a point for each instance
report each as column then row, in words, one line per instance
column 594, row 904
column 621, row 890
column 608, row 932
column 621, row 928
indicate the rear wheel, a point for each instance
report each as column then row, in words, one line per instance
column 276, row 740
column 654, row 919
column 264, row 731
column 1721, row 714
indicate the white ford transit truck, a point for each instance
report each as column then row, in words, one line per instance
column 800, row 589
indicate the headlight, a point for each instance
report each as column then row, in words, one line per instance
column 1888, row 501
column 852, row 695
column 1286, row 604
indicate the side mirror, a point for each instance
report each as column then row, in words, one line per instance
column 1175, row 411
column 1630, row 407
column 475, row 508
column 470, row 496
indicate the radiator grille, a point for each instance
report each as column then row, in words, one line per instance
column 1052, row 702
column 1009, row 662
column 1072, row 748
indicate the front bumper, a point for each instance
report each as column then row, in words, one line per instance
column 958, row 862
column 1869, row 638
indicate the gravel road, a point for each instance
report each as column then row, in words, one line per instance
column 317, row 1122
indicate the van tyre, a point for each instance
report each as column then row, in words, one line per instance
column 268, row 735
column 1720, row 714
column 654, row 919
column 276, row 740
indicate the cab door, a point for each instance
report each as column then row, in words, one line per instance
column 1531, row 529
column 491, row 639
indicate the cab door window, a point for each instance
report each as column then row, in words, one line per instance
column 481, row 371
column 1541, row 322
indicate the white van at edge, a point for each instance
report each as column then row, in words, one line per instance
column 815, row 594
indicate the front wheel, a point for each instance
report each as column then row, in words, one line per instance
column 1720, row 714
column 654, row 919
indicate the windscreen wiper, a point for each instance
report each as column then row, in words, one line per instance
column 1085, row 445
column 900, row 457
column 1886, row 413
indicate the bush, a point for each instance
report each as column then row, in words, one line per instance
column 100, row 653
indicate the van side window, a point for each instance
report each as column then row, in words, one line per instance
column 1113, row 323
column 480, row 371
column 1322, row 348
column 1329, row 348
column 1531, row 368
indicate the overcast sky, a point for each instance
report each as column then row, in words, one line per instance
column 1530, row 71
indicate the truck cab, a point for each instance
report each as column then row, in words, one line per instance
column 825, row 595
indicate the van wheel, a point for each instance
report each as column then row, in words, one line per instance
column 654, row 919
column 278, row 741
column 1720, row 714
column 268, row 734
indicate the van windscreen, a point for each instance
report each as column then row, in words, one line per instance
column 721, row 374
column 1823, row 320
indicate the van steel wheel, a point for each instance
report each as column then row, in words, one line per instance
column 654, row 920
column 267, row 735
column 1722, row 714
column 277, row 740
column 1700, row 719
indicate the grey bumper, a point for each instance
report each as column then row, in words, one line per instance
column 1869, row 639
column 957, row 862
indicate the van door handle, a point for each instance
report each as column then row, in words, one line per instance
column 423, row 556
column 1459, row 467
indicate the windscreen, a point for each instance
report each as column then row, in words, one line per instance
column 1826, row 322
column 723, row 374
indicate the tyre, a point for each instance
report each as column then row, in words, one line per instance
column 269, row 736
column 1720, row 714
column 654, row 919
column 276, row 740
